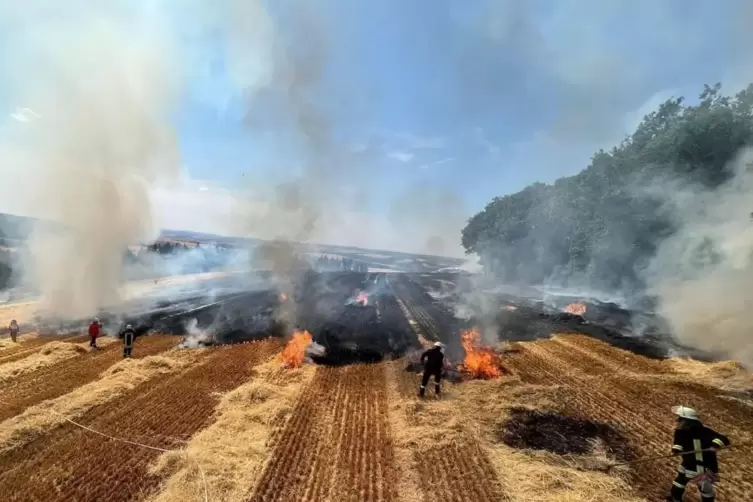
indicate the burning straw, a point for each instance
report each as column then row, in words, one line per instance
column 480, row 362
column 294, row 353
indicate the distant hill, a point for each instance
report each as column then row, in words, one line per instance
column 14, row 230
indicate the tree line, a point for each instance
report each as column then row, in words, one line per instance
column 601, row 226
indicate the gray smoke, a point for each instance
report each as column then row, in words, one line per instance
column 99, row 82
column 703, row 274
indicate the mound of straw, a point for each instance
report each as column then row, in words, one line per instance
column 120, row 378
column 232, row 451
column 48, row 355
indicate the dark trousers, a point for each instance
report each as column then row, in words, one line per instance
column 428, row 372
column 704, row 483
column 127, row 350
column 93, row 341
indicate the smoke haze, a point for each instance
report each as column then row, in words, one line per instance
column 703, row 274
column 99, row 83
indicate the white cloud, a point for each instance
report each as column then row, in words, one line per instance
column 401, row 156
column 437, row 162
column 24, row 115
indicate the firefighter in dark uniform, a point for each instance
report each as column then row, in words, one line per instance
column 433, row 361
column 699, row 468
column 129, row 335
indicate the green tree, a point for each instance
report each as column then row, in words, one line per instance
column 604, row 223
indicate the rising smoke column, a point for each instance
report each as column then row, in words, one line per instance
column 101, row 81
column 703, row 274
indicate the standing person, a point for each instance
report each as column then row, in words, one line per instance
column 94, row 330
column 129, row 335
column 14, row 329
column 698, row 467
column 433, row 361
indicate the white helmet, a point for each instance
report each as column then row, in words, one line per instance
column 685, row 412
column 96, row 319
column 128, row 326
column 438, row 344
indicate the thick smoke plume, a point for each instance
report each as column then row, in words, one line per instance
column 703, row 274
column 100, row 82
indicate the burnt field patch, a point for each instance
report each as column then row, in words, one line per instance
column 561, row 434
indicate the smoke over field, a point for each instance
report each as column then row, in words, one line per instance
column 703, row 273
column 99, row 83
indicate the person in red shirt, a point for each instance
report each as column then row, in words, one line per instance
column 94, row 329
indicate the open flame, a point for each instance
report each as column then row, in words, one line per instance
column 294, row 352
column 362, row 298
column 480, row 362
column 577, row 308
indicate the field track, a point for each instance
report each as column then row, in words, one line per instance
column 69, row 463
column 638, row 404
column 336, row 445
column 55, row 380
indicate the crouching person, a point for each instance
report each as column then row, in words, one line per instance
column 129, row 335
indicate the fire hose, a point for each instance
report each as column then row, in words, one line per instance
column 670, row 455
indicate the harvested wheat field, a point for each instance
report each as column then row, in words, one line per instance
column 231, row 423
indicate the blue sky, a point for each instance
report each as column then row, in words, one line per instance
column 429, row 106
column 483, row 97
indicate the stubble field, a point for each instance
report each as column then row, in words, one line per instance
column 228, row 423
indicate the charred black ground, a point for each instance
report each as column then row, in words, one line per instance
column 561, row 434
column 382, row 323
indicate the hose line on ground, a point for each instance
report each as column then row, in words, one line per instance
column 134, row 443
column 670, row 455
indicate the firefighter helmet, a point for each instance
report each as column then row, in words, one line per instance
column 685, row 412
column 96, row 319
column 128, row 326
column 439, row 344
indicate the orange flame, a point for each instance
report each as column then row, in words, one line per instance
column 577, row 308
column 480, row 362
column 362, row 298
column 294, row 352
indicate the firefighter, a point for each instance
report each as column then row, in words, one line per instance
column 13, row 328
column 128, row 337
column 94, row 329
column 433, row 361
column 699, row 468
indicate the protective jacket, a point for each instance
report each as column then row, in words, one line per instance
column 694, row 437
column 433, row 358
column 128, row 337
